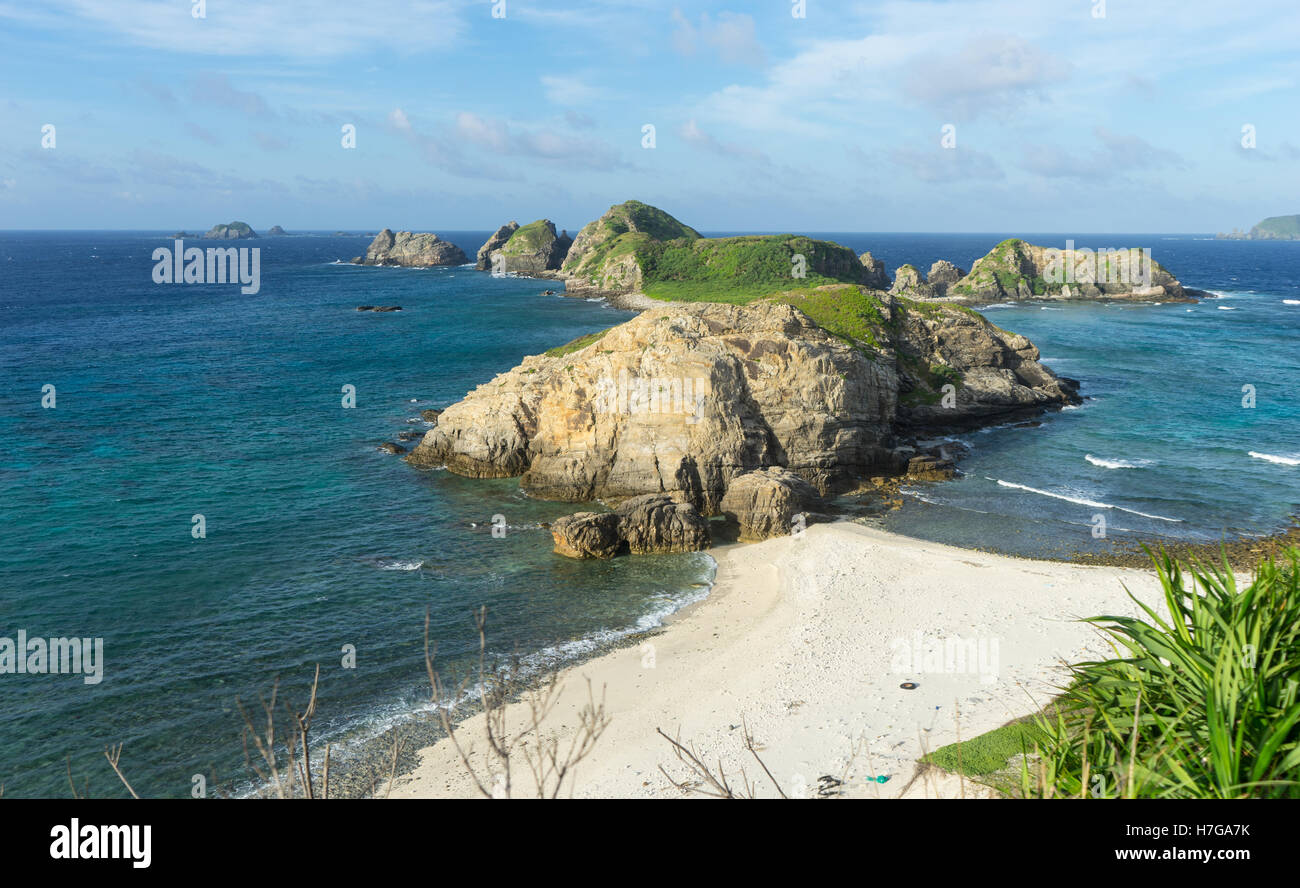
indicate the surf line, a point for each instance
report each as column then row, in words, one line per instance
column 1080, row 501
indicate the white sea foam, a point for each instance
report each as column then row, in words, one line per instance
column 1117, row 463
column 1001, row 305
column 394, row 564
column 1291, row 301
column 1226, row 308
column 1083, row 502
column 1291, row 460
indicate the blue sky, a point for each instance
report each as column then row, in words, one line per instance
column 1064, row 120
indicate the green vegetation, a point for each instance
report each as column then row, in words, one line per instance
column 1202, row 704
column 740, row 269
column 844, row 310
column 531, row 237
column 987, row 756
column 580, row 343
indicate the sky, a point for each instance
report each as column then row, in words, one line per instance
column 1083, row 116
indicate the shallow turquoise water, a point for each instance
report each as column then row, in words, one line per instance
column 187, row 399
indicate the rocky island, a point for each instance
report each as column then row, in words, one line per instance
column 531, row 250
column 232, row 231
column 764, row 374
column 755, row 407
column 411, row 250
column 276, row 231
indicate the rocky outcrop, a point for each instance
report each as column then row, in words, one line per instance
column 930, row 468
column 686, row 398
column 876, row 276
column 233, row 231
column 661, row 523
column 764, row 503
column 680, row 399
column 656, row 523
column 276, row 231
column 943, row 274
column 411, row 250
column 587, row 535
column 532, row 249
column 601, row 255
column 494, row 243
column 1016, row 270
column 958, row 370
column 909, row 284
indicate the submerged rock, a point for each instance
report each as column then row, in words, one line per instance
column 764, row 502
column 389, row 447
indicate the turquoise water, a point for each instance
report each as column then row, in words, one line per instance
column 193, row 399
column 1162, row 447
column 180, row 400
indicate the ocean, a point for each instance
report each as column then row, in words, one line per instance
column 184, row 400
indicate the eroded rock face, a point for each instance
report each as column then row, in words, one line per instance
column 657, row 523
column 660, row 523
column 687, row 398
column 494, row 243
column 995, row 375
column 877, row 278
column 680, row 399
column 412, row 250
column 764, row 502
column 909, row 284
column 943, row 274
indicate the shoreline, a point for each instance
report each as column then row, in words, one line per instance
column 806, row 640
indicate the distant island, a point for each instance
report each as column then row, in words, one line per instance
column 233, row 231
column 1272, row 228
column 276, row 231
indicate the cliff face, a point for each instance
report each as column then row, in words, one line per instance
column 685, row 398
column 494, row 243
column 995, row 375
column 603, row 253
column 1015, row 270
column 411, row 250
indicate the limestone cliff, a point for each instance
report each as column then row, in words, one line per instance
column 687, row 397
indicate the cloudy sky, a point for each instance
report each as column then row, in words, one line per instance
column 1063, row 115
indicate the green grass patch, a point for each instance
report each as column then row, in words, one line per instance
column 988, row 754
column 580, row 343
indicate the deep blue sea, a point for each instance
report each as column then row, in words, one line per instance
column 183, row 400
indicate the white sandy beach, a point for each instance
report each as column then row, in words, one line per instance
column 808, row 639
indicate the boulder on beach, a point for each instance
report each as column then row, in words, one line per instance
column 765, row 502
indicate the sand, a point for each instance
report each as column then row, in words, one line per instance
column 807, row 640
